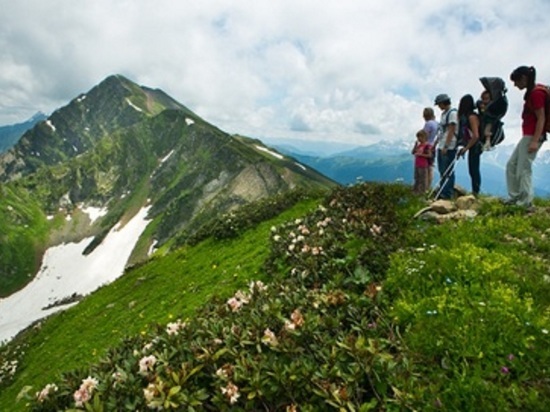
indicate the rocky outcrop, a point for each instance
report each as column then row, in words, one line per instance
column 464, row 207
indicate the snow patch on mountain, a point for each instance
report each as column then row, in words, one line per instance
column 94, row 213
column 65, row 271
column 132, row 105
column 50, row 125
column 265, row 149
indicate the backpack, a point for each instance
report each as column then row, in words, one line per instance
column 443, row 127
column 497, row 132
column 495, row 110
column 546, row 90
column 464, row 132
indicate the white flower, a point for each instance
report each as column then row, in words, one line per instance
column 269, row 338
column 149, row 393
column 89, row 383
column 173, row 328
column 221, row 373
column 257, row 286
column 243, row 297
column 316, row 250
column 231, row 392
column 375, row 230
column 44, row 393
column 290, row 326
column 146, row 364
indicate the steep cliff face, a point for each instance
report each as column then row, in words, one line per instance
column 122, row 146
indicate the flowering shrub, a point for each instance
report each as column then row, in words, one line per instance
column 9, row 362
column 360, row 314
column 312, row 339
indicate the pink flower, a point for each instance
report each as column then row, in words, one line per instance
column 81, row 396
column 235, row 304
column 504, row 370
column 84, row 393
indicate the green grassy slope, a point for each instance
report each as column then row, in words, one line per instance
column 365, row 309
column 159, row 291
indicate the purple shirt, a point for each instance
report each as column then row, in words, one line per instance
column 431, row 127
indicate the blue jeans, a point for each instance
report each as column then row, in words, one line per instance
column 447, row 179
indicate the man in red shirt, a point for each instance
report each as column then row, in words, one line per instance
column 519, row 166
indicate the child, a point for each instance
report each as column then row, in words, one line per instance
column 422, row 152
column 486, row 135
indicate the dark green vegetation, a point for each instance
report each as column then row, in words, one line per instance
column 361, row 308
column 120, row 147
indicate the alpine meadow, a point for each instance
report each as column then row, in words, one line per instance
column 257, row 283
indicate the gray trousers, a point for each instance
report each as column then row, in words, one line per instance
column 519, row 174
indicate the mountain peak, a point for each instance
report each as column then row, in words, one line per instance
column 113, row 104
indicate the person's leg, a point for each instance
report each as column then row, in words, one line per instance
column 416, row 180
column 513, row 174
column 423, row 175
column 474, row 155
column 525, row 169
column 447, row 192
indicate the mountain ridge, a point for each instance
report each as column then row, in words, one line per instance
column 120, row 147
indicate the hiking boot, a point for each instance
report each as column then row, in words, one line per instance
column 509, row 202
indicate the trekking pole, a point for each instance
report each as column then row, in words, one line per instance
column 445, row 177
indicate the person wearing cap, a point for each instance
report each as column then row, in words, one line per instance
column 447, row 140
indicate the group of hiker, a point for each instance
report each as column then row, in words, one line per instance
column 476, row 127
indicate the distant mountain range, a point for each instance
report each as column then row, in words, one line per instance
column 10, row 135
column 391, row 161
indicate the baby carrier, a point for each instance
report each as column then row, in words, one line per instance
column 490, row 118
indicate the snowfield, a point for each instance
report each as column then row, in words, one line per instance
column 66, row 271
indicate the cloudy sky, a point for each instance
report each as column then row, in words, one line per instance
column 355, row 71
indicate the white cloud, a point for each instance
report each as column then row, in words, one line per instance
column 333, row 70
